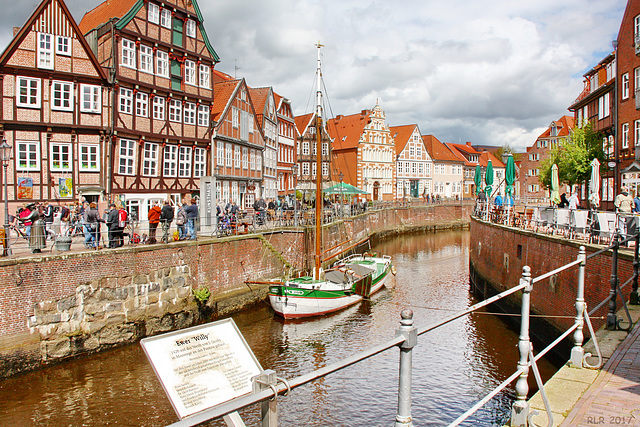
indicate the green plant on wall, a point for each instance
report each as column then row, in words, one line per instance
column 201, row 294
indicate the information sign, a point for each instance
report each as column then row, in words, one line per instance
column 203, row 366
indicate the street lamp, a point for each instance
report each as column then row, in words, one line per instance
column 5, row 157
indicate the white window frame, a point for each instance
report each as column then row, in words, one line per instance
column 625, row 135
column 146, row 59
column 162, row 64
column 125, row 101
column 637, row 133
column 175, row 111
column 170, row 161
column 158, row 108
column 245, row 158
column 29, row 151
column 236, row 157
column 63, row 45
column 165, row 18
column 126, row 156
column 128, row 53
column 32, row 92
column 142, row 104
column 189, row 113
column 603, row 106
column 62, row 153
column 199, row 162
column 90, row 98
column 234, row 117
column 184, row 162
column 45, row 51
column 150, row 159
column 62, row 95
column 89, row 157
column 220, row 153
column 153, row 13
column 625, row 86
column 190, row 28
column 190, row 72
column 229, row 155
column 203, row 115
column 204, row 76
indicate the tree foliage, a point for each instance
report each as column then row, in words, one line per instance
column 573, row 157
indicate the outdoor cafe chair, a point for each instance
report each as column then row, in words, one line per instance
column 579, row 224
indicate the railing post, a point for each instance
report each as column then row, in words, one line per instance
column 410, row 333
column 577, row 352
column 520, row 408
column 633, row 298
column 612, row 317
column 267, row 379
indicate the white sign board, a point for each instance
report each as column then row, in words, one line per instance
column 203, row 366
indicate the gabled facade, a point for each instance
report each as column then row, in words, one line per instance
column 55, row 112
column 162, row 65
column 558, row 130
column 265, row 106
column 413, row 163
column 287, row 153
column 364, row 151
column 238, row 144
column 307, row 153
column 471, row 158
column 448, row 169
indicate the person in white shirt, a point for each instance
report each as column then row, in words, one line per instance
column 574, row 202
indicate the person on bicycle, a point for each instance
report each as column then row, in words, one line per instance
column 166, row 218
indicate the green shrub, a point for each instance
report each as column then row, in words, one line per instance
column 201, row 294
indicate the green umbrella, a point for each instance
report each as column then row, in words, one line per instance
column 343, row 188
column 510, row 175
column 488, row 178
column 555, row 185
column 478, row 180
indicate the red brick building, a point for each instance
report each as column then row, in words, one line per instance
column 55, row 111
column 287, row 137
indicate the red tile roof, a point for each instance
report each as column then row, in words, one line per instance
column 222, row 93
column 346, row 130
column 259, row 98
column 401, row 135
column 219, row 76
column 438, row 151
column 564, row 125
column 303, row 121
column 486, row 156
column 105, row 11
column 455, row 150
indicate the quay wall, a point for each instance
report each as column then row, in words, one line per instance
column 498, row 254
column 54, row 306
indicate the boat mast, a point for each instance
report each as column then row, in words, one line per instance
column 319, row 195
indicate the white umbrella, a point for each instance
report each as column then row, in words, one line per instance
column 594, row 184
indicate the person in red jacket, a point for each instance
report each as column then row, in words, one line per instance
column 154, row 220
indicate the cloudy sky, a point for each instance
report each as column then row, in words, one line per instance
column 492, row 73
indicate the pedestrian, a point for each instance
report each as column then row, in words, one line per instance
column 192, row 215
column 23, row 214
column 154, row 220
column 112, row 225
column 123, row 218
column 47, row 215
column 623, row 203
column 636, row 203
column 65, row 219
column 181, row 222
column 92, row 222
column 574, row 202
column 166, row 218
column 498, row 201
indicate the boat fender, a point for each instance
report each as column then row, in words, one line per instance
column 393, row 270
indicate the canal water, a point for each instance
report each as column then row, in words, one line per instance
column 453, row 366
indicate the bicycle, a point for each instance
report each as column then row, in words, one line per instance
column 17, row 232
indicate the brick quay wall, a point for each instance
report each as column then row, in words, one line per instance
column 58, row 305
column 498, row 253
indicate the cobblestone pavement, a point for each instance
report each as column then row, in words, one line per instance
column 614, row 397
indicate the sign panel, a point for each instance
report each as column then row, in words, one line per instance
column 203, row 366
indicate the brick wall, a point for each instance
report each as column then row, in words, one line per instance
column 497, row 255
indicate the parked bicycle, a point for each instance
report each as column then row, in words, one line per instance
column 17, row 233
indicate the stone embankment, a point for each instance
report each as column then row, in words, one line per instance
column 56, row 306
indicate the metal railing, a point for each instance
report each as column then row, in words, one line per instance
column 267, row 387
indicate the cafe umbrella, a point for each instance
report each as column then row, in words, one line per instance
column 555, row 185
column 594, row 184
column 509, row 178
column 488, row 179
column 477, row 179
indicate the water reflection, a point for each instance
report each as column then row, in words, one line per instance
column 454, row 366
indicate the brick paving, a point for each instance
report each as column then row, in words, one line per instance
column 614, row 397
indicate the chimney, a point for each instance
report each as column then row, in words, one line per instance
column 339, row 117
column 469, row 143
column 15, row 31
column 364, row 112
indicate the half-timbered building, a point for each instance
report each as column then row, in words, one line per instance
column 161, row 62
column 413, row 163
column 238, row 144
column 54, row 111
column 287, row 137
column 307, row 165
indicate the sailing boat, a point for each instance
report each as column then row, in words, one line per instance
column 348, row 281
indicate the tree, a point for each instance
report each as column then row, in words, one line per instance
column 573, row 157
column 508, row 149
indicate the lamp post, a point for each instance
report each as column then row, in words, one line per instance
column 5, row 157
column 341, row 176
